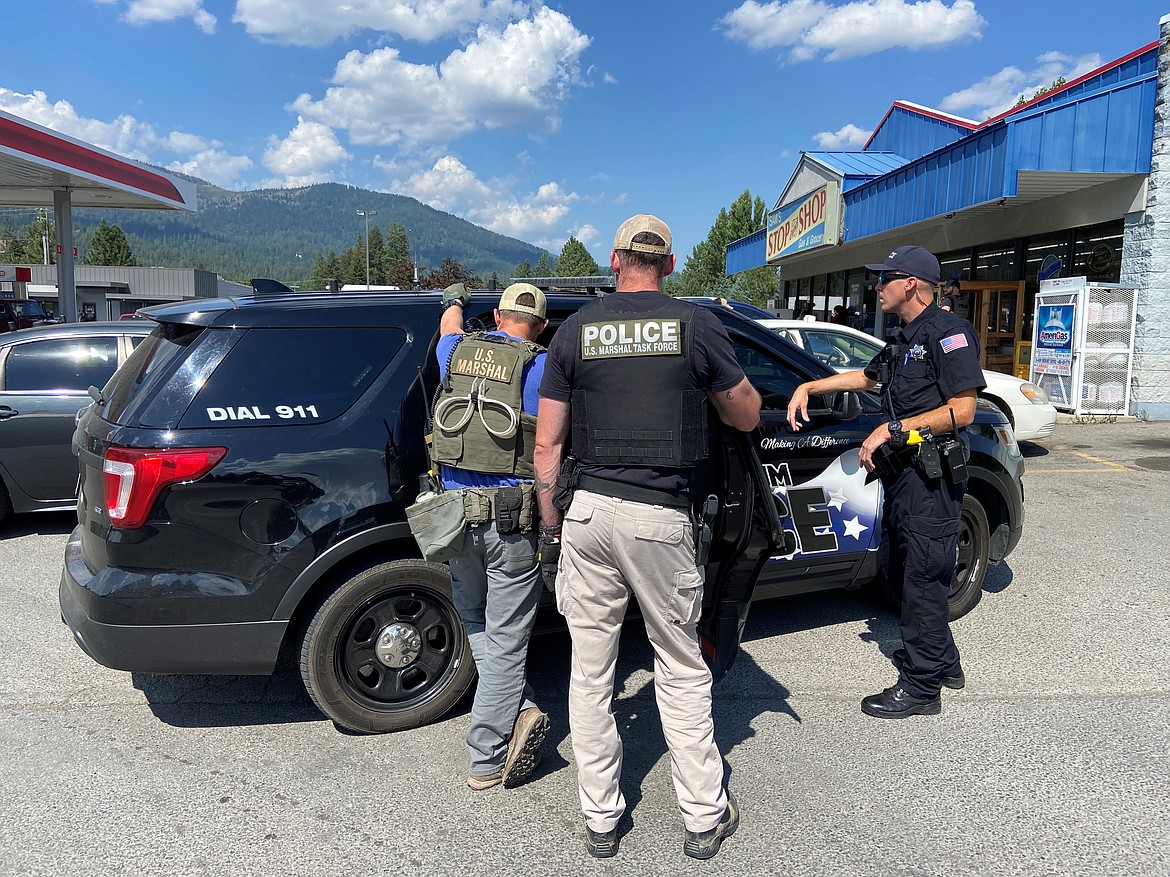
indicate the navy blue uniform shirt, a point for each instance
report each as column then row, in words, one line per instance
column 938, row 358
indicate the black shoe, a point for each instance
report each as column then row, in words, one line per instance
column 601, row 844
column 954, row 680
column 705, row 844
column 895, row 703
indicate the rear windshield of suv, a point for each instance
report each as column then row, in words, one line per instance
column 289, row 376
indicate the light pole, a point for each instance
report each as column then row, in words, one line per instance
column 367, row 214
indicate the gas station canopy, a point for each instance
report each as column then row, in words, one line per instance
column 35, row 162
column 43, row 168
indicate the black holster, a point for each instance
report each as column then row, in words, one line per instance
column 566, row 483
column 703, row 531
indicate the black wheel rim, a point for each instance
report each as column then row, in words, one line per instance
column 969, row 557
column 387, row 689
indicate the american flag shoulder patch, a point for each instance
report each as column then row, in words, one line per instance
column 953, row 342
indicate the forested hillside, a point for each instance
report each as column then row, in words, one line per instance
column 277, row 232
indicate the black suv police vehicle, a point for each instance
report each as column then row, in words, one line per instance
column 244, row 478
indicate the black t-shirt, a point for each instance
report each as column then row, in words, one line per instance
column 938, row 358
column 714, row 368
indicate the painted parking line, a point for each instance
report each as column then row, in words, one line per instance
column 1105, row 465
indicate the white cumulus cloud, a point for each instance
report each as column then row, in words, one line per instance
column 127, row 136
column 451, row 186
column 1000, row 91
column 848, row 137
column 514, row 76
column 309, row 154
column 142, row 12
column 317, row 23
column 215, row 166
column 814, row 28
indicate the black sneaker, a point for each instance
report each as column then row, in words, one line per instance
column 954, row 680
column 705, row 844
column 601, row 844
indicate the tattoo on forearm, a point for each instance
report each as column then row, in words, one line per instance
column 730, row 394
column 541, row 486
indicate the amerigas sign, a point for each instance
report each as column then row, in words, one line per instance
column 811, row 221
column 18, row 273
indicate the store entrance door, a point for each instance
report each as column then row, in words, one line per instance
column 996, row 309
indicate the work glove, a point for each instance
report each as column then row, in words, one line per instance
column 456, row 292
column 548, row 555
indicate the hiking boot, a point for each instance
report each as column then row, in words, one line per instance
column 601, row 844
column 705, row 844
column 479, row 782
column 524, row 746
column 954, row 680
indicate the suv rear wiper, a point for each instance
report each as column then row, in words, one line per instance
column 96, row 395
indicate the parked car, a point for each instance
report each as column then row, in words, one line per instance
column 45, row 373
column 21, row 314
column 843, row 348
column 244, row 479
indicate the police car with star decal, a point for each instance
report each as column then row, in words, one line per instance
column 244, row 479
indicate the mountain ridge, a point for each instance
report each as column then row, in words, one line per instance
column 276, row 232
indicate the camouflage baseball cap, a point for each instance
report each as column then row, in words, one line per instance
column 643, row 222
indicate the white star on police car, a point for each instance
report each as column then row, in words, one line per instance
column 855, row 528
column 837, row 499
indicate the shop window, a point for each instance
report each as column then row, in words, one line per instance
column 1097, row 252
column 996, row 261
column 956, row 263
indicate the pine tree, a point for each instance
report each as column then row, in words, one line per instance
column 522, row 269
column 377, row 257
column 542, row 268
column 399, row 267
column 575, row 261
column 109, row 247
column 447, row 273
column 705, row 271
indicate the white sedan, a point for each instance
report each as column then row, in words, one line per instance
column 844, row 348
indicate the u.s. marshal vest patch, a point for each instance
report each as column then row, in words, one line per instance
column 484, row 362
column 642, row 337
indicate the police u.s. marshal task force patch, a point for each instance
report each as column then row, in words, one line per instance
column 953, row 342
column 644, row 337
column 479, row 362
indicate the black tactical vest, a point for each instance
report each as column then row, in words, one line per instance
column 479, row 421
column 635, row 401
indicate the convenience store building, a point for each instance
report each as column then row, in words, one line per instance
column 1073, row 183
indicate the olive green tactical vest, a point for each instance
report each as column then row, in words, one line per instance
column 479, row 421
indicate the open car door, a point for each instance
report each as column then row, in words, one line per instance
column 745, row 532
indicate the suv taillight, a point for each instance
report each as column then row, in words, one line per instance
column 134, row 476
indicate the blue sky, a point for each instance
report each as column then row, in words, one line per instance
column 535, row 120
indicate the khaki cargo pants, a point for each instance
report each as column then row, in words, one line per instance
column 611, row 548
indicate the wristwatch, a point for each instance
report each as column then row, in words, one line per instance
column 454, row 301
column 895, row 426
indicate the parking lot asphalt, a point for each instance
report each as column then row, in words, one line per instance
column 1053, row 760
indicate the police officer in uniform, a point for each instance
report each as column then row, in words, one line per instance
column 930, row 380
column 483, row 439
column 628, row 380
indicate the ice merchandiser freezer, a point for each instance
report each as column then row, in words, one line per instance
column 1082, row 344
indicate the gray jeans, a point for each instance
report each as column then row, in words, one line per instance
column 496, row 585
column 610, row 548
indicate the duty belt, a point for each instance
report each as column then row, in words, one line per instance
column 632, row 492
column 483, row 505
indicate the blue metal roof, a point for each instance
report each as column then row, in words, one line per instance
column 856, row 168
column 916, row 131
column 1102, row 123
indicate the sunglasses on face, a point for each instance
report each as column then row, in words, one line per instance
column 884, row 278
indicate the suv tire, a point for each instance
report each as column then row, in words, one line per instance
column 974, row 547
column 386, row 651
column 5, row 503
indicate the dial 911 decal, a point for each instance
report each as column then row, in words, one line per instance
column 256, row 412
